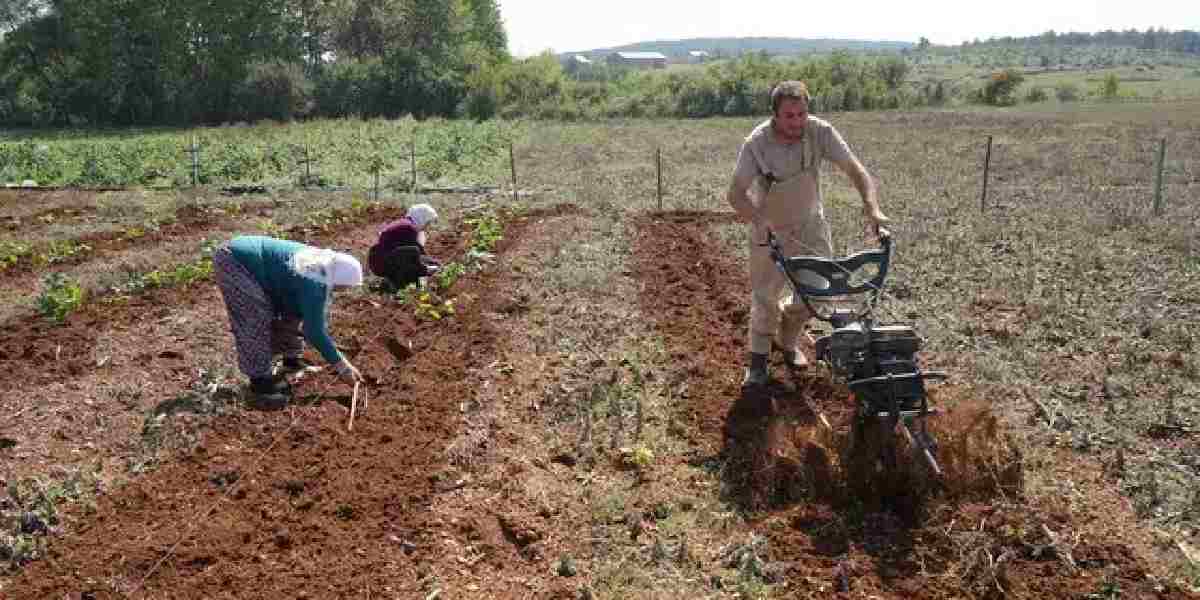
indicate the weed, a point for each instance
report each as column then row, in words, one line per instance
column 434, row 301
column 60, row 297
column 11, row 253
column 488, row 231
column 177, row 276
column 427, row 304
column 1109, row 590
column 61, row 251
column 638, row 457
column 450, row 274
column 31, row 510
column 270, row 228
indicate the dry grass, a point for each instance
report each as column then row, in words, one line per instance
column 1066, row 293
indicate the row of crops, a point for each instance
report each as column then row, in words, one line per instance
column 348, row 152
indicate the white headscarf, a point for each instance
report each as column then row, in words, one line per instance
column 327, row 267
column 422, row 215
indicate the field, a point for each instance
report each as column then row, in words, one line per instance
column 1135, row 82
column 573, row 426
column 327, row 153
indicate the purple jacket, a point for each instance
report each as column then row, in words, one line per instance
column 401, row 232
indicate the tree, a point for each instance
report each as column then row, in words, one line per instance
column 13, row 13
column 483, row 26
column 40, row 71
column 923, row 44
column 365, row 28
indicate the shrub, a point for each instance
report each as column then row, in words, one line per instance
column 1111, row 87
column 893, row 71
column 351, row 88
column 275, row 90
column 1036, row 94
column 935, row 93
column 481, row 105
column 1067, row 92
column 998, row 91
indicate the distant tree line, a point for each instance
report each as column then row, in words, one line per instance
column 152, row 62
column 1185, row 41
column 140, row 62
column 542, row 87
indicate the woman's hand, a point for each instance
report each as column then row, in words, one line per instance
column 348, row 372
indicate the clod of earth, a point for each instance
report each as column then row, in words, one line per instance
column 399, row 350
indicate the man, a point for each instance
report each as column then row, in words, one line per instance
column 399, row 254
column 776, row 185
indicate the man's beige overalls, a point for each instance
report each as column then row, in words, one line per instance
column 793, row 210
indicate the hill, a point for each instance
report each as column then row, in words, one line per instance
column 734, row 46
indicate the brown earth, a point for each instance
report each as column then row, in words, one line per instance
column 191, row 221
column 832, row 524
column 292, row 505
column 80, row 392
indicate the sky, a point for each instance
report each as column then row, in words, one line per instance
column 568, row 25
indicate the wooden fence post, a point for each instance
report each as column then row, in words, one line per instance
column 658, row 162
column 987, row 163
column 194, row 150
column 1158, row 177
column 308, row 160
column 512, row 162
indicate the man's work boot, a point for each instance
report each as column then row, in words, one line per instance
column 756, row 373
column 268, row 394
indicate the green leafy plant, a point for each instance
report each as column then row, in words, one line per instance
column 359, row 205
column 449, row 274
column 62, row 250
column 488, row 231
column 433, row 307
column 180, row 275
column 638, row 457
column 134, row 232
column 60, row 297
column 428, row 303
column 270, row 228
column 11, row 253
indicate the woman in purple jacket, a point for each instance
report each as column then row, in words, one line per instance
column 399, row 255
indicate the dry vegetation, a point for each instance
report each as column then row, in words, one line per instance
column 1066, row 305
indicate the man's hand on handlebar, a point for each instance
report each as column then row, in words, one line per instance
column 875, row 221
column 745, row 217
